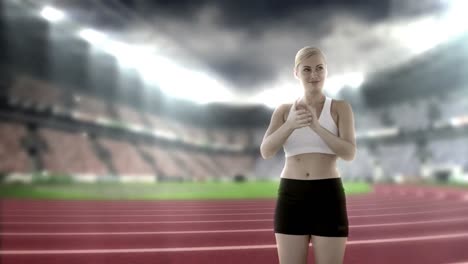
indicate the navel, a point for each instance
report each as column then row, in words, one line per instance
column 307, row 174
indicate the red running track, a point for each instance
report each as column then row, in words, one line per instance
column 393, row 224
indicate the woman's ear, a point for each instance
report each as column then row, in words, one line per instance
column 295, row 74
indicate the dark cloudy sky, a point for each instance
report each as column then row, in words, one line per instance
column 251, row 44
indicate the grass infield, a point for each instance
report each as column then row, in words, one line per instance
column 156, row 191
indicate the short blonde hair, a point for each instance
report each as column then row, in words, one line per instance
column 305, row 53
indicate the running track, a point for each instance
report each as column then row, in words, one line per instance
column 393, row 224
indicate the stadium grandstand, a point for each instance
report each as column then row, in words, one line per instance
column 102, row 124
column 130, row 132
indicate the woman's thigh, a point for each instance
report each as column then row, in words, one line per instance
column 292, row 249
column 329, row 250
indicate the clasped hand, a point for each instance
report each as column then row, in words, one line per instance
column 302, row 115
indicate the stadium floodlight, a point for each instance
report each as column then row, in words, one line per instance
column 92, row 36
column 52, row 14
column 173, row 79
column 182, row 82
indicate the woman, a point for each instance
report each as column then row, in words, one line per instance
column 314, row 131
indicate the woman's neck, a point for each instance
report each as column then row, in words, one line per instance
column 313, row 99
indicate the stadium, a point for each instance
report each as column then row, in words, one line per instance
column 100, row 161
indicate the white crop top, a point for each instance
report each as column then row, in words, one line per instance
column 305, row 140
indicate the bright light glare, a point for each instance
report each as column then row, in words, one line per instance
column 171, row 78
column 128, row 56
column 180, row 82
column 425, row 33
column 336, row 83
column 92, row 36
column 457, row 20
column 52, row 14
column 280, row 93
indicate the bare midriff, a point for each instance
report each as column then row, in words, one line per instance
column 310, row 166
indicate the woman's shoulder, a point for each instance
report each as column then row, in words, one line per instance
column 340, row 106
column 283, row 110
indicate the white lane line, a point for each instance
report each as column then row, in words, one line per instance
column 350, row 201
column 147, row 210
column 231, row 214
column 153, row 215
column 164, row 205
column 449, row 220
column 407, row 239
column 135, row 222
column 138, row 233
column 423, row 205
column 244, row 247
column 392, row 201
column 209, row 221
column 412, row 213
column 458, row 219
column 269, row 209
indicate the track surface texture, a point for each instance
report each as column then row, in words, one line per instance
column 392, row 224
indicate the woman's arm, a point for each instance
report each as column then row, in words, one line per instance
column 277, row 133
column 344, row 145
column 279, row 130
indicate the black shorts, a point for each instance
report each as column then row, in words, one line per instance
column 311, row 207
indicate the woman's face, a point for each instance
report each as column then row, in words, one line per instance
column 312, row 72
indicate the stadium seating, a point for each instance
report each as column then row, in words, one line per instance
column 70, row 153
column 14, row 158
column 125, row 157
column 38, row 93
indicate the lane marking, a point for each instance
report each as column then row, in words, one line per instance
column 203, row 214
column 148, row 210
column 244, row 247
column 448, row 220
column 213, row 221
column 135, row 222
column 270, row 213
column 351, row 202
column 412, row 213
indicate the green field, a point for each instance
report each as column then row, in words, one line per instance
column 158, row 191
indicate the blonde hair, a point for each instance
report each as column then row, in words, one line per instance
column 305, row 53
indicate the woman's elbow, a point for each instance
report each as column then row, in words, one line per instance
column 350, row 155
column 265, row 153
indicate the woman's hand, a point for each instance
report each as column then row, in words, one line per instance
column 314, row 123
column 299, row 116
